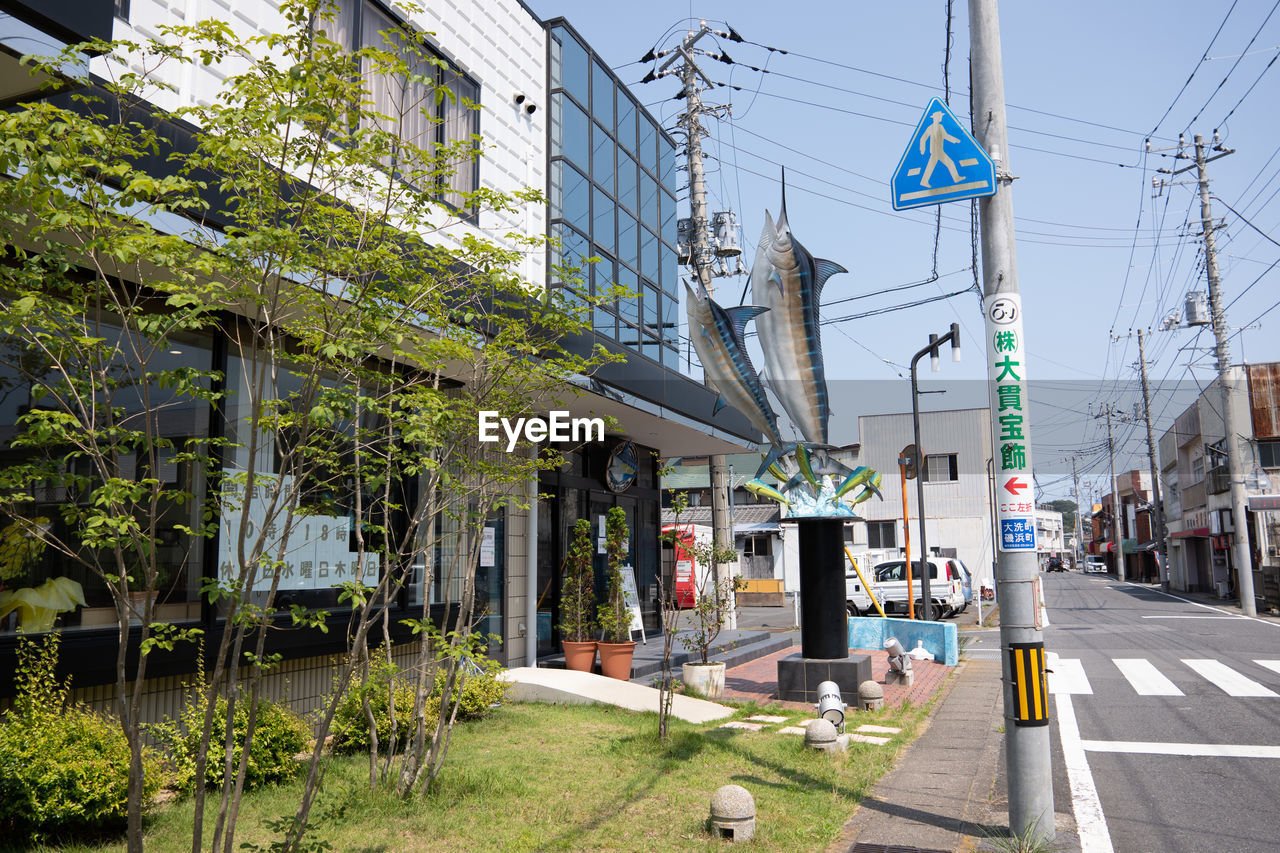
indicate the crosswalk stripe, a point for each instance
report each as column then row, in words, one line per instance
column 1068, row 677
column 1273, row 665
column 1226, row 678
column 1145, row 678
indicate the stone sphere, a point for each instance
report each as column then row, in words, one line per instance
column 732, row 802
column 868, row 690
column 820, row 731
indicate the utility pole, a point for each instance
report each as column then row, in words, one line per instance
column 1075, row 493
column 1027, row 756
column 1115, row 501
column 700, row 259
column 1226, row 378
column 1157, row 496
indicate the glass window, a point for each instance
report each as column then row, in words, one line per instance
column 940, row 468
column 648, row 152
column 573, row 65
column 881, row 534
column 602, row 95
column 670, row 270
column 628, row 189
column 670, row 325
column 668, row 218
column 626, row 122
column 572, row 255
column 42, row 588
column 574, row 134
column 605, row 322
column 628, row 247
column 671, row 357
column 602, row 158
column 651, row 315
column 603, row 229
column 574, row 195
column 649, row 201
column 652, row 349
column 1269, row 454
column 629, row 307
column 648, row 254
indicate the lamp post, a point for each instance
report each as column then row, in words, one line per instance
column 935, row 365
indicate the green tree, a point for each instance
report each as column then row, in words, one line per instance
column 310, row 232
column 1068, row 509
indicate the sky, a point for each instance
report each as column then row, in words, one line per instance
column 1100, row 251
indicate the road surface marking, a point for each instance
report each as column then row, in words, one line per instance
column 1231, row 682
column 1145, row 678
column 1091, row 823
column 1068, row 678
column 1193, row 617
column 1273, row 665
column 1196, row 750
column 1272, row 622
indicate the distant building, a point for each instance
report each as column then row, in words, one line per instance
column 1196, row 489
column 1050, row 541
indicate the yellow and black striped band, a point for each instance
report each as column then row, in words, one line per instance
column 1030, row 689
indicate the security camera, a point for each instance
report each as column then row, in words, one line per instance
column 531, row 109
column 519, row 98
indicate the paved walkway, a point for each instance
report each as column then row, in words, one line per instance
column 758, row 680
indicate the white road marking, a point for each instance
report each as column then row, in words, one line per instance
column 1273, row 665
column 1272, row 622
column 1068, row 678
column 1206, row 618
column 1231, row 682
column 1091, row 823
column 1195, row 750
column 1145, row 678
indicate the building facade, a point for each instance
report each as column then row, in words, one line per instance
column 551, row 116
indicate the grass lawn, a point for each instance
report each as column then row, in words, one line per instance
column 543, row 777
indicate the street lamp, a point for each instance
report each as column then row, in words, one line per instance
column 934, row 363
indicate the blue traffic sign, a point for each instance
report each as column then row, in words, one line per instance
column 943, row 162
column 1017, row 534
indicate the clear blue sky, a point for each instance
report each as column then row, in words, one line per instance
column 1098, row 255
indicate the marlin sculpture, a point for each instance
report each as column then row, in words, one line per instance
column 788, row 281
column 717, row 337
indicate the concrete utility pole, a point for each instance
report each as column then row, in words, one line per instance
column 1226, row 378
column 1157, row 496
column 1075, row 493
column 1116, row 542
column 1030, row 785
column 700, row 259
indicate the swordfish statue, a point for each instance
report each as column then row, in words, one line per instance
column 788, row 281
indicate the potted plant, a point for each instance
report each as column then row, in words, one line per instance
column 704, row 676
column 617, row 647
column 578, row 602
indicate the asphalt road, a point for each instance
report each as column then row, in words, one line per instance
column 1166, row 719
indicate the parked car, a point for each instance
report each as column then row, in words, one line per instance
column 946, row 586
column 1095, row 563
column 857, row 601
column 1055, row 565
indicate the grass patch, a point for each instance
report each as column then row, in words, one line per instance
column 544, row 777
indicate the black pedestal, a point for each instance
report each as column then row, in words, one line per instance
column 799, row 677
column 824, row 627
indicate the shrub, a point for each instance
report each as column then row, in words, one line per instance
column 351, row 726
column 278, row 735
column 64, row 770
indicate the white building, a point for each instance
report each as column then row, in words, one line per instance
column 1050, row 541
column 957, row 455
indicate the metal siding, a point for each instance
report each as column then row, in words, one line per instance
column 1264, row 399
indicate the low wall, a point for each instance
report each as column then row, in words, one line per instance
column 941, row 639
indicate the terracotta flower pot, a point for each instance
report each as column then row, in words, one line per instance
column 580, row 657
column 615, row 660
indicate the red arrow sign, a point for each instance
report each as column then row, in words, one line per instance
column 1015, row 486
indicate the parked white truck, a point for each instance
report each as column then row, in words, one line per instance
column 857, row 601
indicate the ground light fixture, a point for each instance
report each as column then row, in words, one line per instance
column 831, row 705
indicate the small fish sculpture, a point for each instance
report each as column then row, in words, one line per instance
column 761, row 489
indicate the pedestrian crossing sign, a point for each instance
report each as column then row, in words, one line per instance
column 943, row 162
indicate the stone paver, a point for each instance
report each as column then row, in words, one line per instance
column 791, row 730
column 739, row 724
column 766, row 718
column 872, row 729
column 878, row 741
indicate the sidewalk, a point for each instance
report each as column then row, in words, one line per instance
column 938, row 797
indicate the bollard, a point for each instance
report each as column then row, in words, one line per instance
column 870, row 696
